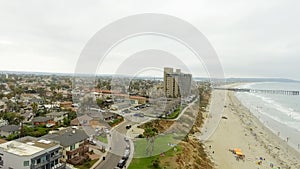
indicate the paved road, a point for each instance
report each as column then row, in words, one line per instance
column 118, row 146
column 216, row 109
column 110, row 162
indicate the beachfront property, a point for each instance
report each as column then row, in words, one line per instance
column 31, row 153
column 176, row 83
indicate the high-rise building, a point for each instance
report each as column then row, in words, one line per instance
column 176, row 83
column 31, row 153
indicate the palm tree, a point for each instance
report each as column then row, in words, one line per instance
column 52, row 88
column 150, row 134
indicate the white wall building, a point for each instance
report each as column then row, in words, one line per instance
column 31, row 153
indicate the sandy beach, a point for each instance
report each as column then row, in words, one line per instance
column 240, row 129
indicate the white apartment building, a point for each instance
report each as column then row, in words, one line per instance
column 31, row 153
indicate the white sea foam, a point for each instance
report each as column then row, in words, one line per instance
column 280, row 113
column 272, row 104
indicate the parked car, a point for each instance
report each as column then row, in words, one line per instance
column 121, row 163
column 126, row 155
column 93, row 142
column 127, row 147
column 127, row 152
column 126, row 139
column 128, row 127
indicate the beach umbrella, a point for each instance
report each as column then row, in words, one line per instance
column 237, row 149
column 239, row 153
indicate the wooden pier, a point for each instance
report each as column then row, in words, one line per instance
column 282, row 92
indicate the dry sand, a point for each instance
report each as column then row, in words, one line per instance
column 243, row 130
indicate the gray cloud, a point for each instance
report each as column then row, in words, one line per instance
column 252, row 38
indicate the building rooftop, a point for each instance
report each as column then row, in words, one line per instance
column 41, row 119
column 68, row 137
column 57, row 113
column 27, row 146
column 9, row 128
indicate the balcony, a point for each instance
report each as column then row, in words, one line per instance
column 59, row 166
column 77, row 160
column 86, row 142
column 40, row 164
column 81, row 150
column 47, row 161
column 56, row 156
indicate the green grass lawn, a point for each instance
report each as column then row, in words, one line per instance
column 176, row 113
column 115, row 121
column 102, row 139
column 147, row 163
column 160, row 145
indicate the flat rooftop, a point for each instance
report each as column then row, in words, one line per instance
column 27, row 146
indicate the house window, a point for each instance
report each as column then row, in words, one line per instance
column 72, row 147
column 26, row 163
column 43, row 159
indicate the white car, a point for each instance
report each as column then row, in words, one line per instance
column 106, row 131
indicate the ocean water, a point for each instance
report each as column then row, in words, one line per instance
column 280, row 113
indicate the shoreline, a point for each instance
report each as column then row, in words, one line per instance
column 243, row 130
column 284, row 132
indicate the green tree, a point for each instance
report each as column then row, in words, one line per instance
column 150, row 133
column 12, row 117
column 12, row 137
column 100, row 103
column 66, row 121
column 34, row 106
column 72, row 115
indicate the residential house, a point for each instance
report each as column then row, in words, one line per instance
column 40, row 120
column 81, row 120
column 66, row 105
column 7, row 130
column 74, row 143
column 58, row 117
column 31, row 153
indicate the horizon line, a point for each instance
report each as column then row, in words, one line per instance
column 146, row 76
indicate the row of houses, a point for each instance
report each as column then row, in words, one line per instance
column 54, row 118
column 50, row 151
column 51, row 119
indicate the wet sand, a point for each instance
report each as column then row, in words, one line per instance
column 243, row 130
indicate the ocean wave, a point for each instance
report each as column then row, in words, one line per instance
column 295, row 125
column 288, row 111
column 247, row 85
column 268, row 108
column 292, row 124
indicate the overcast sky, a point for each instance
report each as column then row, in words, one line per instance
column 252, row 38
